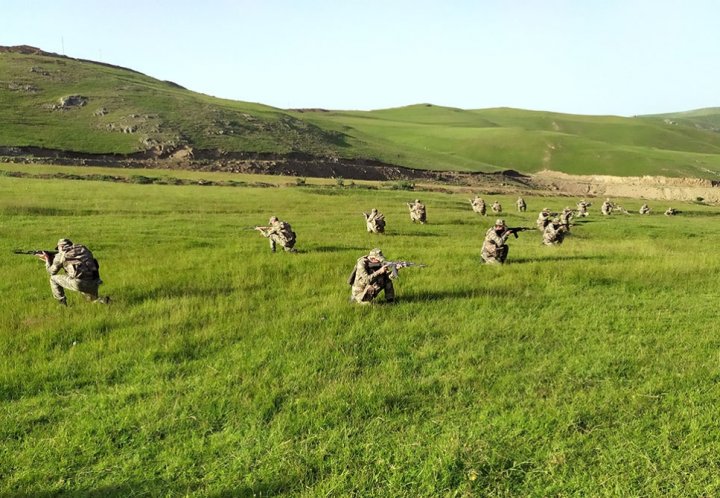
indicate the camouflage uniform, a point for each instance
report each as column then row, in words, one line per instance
column 375, row 221
column 280, row 233
column 543, row 219
column 670, row 212
column 565, row 218
column 554, row 233
column 417, row 211
column 496, row 207
column 583, row 208
column 522, row 207
column 478, row 205
column 606, row 207
column 644, row 209
column 369, row 278
column 494, row 248
column 82, row 272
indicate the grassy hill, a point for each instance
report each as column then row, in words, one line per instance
column 125, row 112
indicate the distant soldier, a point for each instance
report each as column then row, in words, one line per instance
column 279, row 233
column 82, row 272
column 375, row 221
column 554, row 232
column 478, row 205
column 607, row 207
column 583, row 208
column 566, row 217
column 544, row 218
column 494, row 248
column 417, row 211
column 671, row 212
column 370, row 277
column 522, row 207
column 644, row 209
column 496, row 207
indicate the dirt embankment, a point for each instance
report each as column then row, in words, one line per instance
column 639, row 187
column 304, row 165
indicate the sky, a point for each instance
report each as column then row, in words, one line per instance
column 597, row 57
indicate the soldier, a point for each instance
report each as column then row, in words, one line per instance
column 522, row 207
column 417, row 211
column 565, row 218
column 644, row 209
column 554, row 232
column 606, row 207
column 671, row 212
column 478, row 205
column 496, row 207
column 544, row 218
column 583, row 208
column 370, row 277
column 375, row 221
column 279, row 232
column 494, row 248
column 82, row 272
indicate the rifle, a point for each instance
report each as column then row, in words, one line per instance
column 515, row 230
column 394, row 266
column 256, row 228
column 50, row 255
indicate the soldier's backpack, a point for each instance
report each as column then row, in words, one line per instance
column 83, row 265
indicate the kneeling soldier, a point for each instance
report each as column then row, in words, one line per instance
column 370, row 277
column 82, row 272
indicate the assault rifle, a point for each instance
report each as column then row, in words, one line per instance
column 257, row 228
column 515, row 230
column 49, row 255
column 394, row 266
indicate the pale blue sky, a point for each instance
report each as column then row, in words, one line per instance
column 623, row 57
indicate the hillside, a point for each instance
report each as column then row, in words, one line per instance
column 56, row 103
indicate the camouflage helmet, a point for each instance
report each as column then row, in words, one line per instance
column 273, row 219
column 545, row 210
column 373, row 210
column 499, row 222
column 567, row 208
column 417, row 201
column 376, row 254
column 64, row 243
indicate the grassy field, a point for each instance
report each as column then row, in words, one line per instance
column 420, row 136
column 221, row 369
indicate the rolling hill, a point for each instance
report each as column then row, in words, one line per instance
column 57, row 103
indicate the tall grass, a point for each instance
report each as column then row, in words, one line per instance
column 221, row 369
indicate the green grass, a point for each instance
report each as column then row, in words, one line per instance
column 220, row 369
column 419, row 136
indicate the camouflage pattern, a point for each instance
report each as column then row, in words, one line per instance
column 582, row 207
column 644, row 209
column 417, row 211
column 369, row 278
column 521, row 206
column 375, row 221
column 607, row 207
column 478, row 205
column 554, row 233
column 543, row 219
column 280, row 233
column 670, row 212
column 566, row 217
column 496, row 207
column 82, row 272
column 494, row 248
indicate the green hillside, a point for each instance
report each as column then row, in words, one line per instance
column 122, row 111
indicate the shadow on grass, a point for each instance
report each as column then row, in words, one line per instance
column 335, row 249
column 135, row 296
column 457, row 294
column 556, row 257
column 154, row 489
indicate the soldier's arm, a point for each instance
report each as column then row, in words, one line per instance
column 53, row 265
